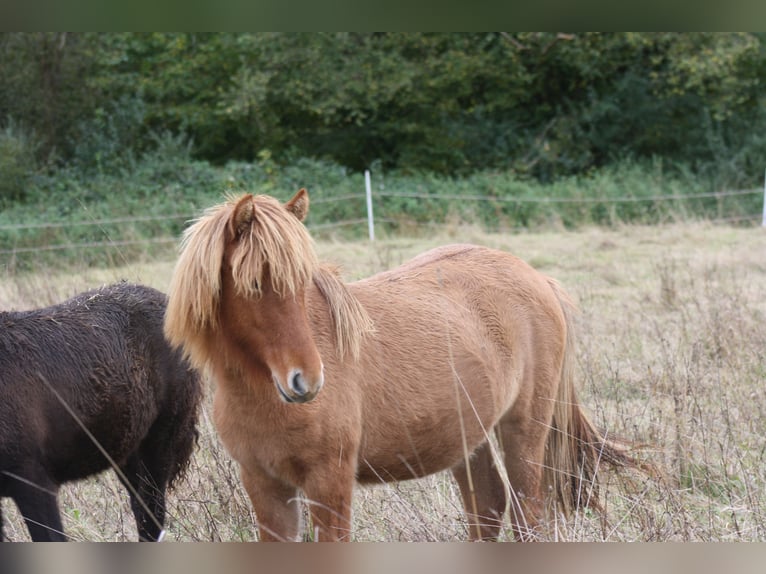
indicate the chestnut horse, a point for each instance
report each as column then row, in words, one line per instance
column 320, row 384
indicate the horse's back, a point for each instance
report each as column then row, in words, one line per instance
column 469, row 265
column 462, row 280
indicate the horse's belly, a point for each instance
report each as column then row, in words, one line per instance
column 415, row 450
column 406, row 469
column 424, row 420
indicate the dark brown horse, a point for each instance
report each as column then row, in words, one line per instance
column 89, row 384
column 321, row 384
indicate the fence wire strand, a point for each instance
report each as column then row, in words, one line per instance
column 349, row 222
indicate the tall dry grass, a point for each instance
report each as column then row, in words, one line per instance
column 672, row 356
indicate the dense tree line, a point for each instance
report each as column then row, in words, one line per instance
column 541, row 105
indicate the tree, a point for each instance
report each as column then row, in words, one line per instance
column 543, row 104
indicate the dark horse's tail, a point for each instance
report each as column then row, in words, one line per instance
column 576, row 449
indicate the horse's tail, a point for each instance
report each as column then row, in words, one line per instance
column 576, row 448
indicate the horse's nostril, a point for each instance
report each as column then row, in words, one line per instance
column 297, row 384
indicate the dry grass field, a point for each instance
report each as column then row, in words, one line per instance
column 672, row 355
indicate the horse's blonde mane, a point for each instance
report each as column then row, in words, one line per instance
column 349, row 317
column 275, row 241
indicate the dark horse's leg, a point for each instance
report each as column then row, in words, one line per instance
column 36, row 496
column 159, row 460
column 148, row 479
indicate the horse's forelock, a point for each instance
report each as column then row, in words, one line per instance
column 276, row 241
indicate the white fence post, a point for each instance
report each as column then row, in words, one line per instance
column 763, row 221
column 370, row 220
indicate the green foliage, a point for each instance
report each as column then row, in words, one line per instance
column 542, row 104
column 142, row 211
column 17, row 163
column 46, row 85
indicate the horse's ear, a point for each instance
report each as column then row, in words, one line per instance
column 242, row 216
column 299, row 204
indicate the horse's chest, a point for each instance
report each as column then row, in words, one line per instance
column 239, row 425
column 267, row 437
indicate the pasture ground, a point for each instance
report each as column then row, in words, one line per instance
column 672, row 354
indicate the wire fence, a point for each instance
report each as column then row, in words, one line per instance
column 368, row 220
column 553, row 200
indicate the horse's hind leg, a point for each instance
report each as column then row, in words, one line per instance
column 522, row 439
column 483, row 494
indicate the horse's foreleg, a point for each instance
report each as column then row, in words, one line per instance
column 329, row 499
column 483, row 495
column 37, row 499
column 276, row 505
